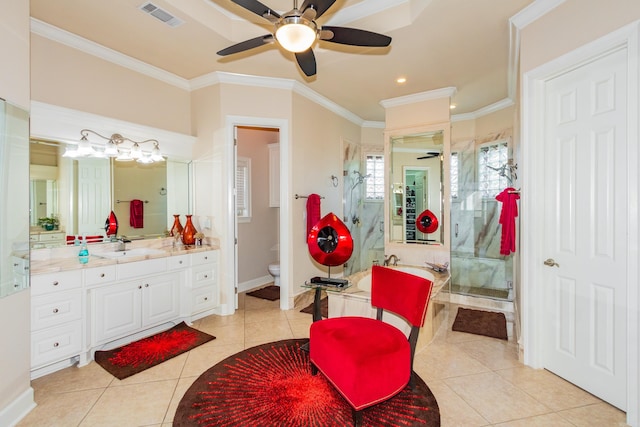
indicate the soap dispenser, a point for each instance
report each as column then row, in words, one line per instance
column 83, row 255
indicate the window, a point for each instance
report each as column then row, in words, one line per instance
column 455, row 174
column 243, row 189
column 375, row 184
column 492, row 160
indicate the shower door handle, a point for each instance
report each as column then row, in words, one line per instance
column 551, row 262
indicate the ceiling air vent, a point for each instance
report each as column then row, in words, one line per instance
column 161, row 14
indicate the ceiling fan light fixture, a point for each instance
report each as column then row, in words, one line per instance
column 295, row 33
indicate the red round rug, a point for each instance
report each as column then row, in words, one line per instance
column 272, row 385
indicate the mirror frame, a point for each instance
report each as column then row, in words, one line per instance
column 389, row 134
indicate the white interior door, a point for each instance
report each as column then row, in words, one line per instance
column 585, row 236
column 94, row 199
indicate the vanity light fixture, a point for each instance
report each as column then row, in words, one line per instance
column 115, row 147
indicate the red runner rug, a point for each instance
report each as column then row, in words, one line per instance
column 122, row 362
column 272, row 385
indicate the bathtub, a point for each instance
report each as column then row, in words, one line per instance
column 356, row 301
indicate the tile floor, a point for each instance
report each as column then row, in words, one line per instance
column 477, row 381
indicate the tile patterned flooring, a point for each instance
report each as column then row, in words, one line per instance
column 477, row 381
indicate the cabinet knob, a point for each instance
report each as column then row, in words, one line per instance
column 55, row 344
column 55, row 310
column 55, row 283
column 146, row 285
column 102, row 275
column 206, row 276
column 139, row 286
column 206, row 298
column 206, row 257
column 180, row 262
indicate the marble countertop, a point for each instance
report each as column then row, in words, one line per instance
column 66, row 258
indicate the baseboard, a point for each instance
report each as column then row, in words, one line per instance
column 255, row 283
column 18, row 409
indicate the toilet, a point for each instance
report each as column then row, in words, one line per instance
column 274, row 270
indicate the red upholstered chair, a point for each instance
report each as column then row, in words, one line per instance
column 367, row 360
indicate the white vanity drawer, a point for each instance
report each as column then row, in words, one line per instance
column 51, row 237
column 200, row 258
column 98, row 275
column 55, row 309
column 20, row 265
column 141, row 268
column 203, row 275
column 177, row 262
column 55, row 344
column 60, row 281
column 204, row 299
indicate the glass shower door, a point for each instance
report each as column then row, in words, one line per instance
column 479, row 173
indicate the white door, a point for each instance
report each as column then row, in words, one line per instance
column 585, row 236
column 94, row 200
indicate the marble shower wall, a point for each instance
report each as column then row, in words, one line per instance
column 352, row 203
column 365, row 220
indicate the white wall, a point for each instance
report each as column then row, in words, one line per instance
column 15, row 357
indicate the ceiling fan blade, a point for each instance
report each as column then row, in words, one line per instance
column 354, row 37
column 307, row 62
column 247, row 44
column 320, row 6
column 258, row 8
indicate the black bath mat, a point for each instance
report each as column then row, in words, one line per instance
column 271, row 293
column 487, row 323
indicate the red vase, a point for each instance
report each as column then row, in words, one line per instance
column 189, row 232
column 176, row 230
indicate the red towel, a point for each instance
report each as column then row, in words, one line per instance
column 313, row 211
column 136, row 213
column 508, row 215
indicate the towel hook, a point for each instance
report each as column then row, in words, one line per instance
column 334, row 180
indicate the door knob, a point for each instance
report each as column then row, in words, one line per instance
column 551, row 262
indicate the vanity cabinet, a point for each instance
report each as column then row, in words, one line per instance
column 204, row 292
column 75, row 312
column 126, row 308
column 56, row 317
column 47, row 239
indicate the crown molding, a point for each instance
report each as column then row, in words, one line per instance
column 533, row 12
column 446, row 92
column 52, row 122
column 373, row 124
column 496, row 106
column 72, row 40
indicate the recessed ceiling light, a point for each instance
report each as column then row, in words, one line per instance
column 401, row 80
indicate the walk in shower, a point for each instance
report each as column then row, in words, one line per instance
column 363, row 178
column 479, row 172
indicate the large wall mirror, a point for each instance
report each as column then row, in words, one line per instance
column 14, row 172
column 74, row 196
column 416, row 197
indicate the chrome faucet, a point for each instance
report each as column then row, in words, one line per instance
column 122, row 243
column 391, row 258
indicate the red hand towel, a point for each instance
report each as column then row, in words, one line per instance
column 136, row 213
column 313, row 211
column 508, row 215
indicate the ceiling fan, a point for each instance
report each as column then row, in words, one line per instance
column 430, row 154
column 297, row 31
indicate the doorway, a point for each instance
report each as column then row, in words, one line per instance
column 580, row 129
column 229, row 243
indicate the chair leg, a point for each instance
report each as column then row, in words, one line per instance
column 357, row 417
column 314, row 369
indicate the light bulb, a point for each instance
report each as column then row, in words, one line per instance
column 296, row 34
column 156, row 155
column 70, row 152
column 136, row 152
column 111, row 149
column 85, row 148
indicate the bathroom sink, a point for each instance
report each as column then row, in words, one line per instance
column 130, row 253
